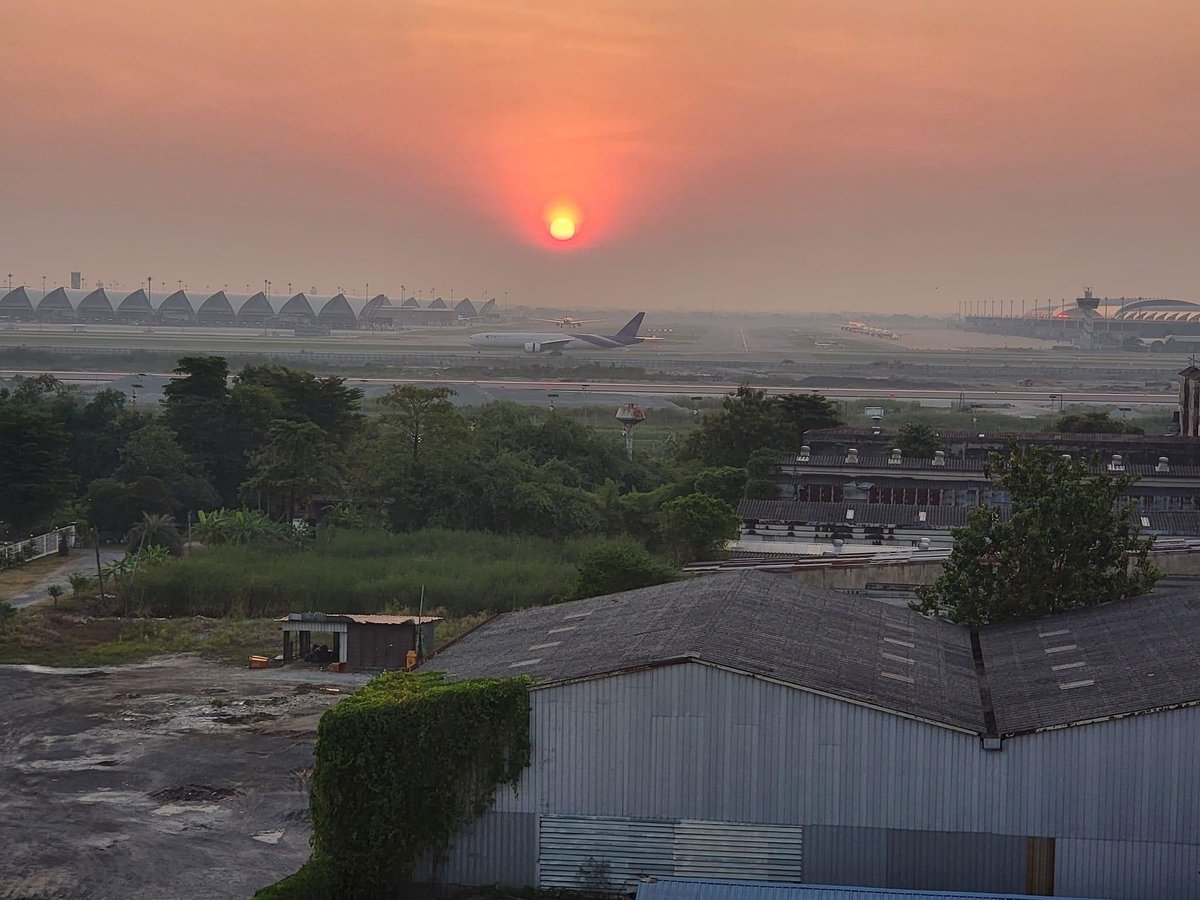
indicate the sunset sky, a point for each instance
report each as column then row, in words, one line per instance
column 769, row 154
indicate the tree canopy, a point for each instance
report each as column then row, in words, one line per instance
column 751, row 420
column 1069, row 540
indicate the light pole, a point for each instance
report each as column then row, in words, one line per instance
column 149, row 284
column 43, row 287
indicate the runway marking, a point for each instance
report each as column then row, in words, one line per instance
column 745, row 346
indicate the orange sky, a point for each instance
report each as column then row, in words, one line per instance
column 774, row 154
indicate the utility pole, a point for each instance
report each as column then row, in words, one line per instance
column 99, row 571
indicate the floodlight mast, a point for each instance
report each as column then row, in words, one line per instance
column 630, row 415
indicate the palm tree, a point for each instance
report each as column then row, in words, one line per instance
column 156, row 531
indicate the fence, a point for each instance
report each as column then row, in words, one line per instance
column 37, row 546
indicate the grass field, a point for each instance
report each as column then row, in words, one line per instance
column 461, row 573
column 67, row 636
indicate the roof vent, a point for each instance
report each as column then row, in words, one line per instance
column 1066, row 457
column 1164, row 465
column 924, row 543
column 838, row 544
column 852, row 457
column 849, row 515
column 805, row 454
column 922, row 516
column 1117, row 464
column 939, row 457
column 896, row 457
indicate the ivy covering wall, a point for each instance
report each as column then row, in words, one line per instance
column 402, row 765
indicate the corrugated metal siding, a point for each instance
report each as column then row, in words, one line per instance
column 1127, row 869
column 892, row 857
column 628, row 849
column 672, row 889
column 695, row 742
column 499, row 848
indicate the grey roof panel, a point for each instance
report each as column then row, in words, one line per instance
column 764, row 624
column 1122, row 657
column 1119, row 658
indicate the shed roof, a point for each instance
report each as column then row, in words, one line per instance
column 1117, row 659
column 704, row 889
column 358, row 618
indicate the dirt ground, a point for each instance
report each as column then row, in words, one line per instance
column 177, row 778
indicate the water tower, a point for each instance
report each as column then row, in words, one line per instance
column 630, row 415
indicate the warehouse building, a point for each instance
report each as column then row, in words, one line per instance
column 699, row 889
column 743, row 726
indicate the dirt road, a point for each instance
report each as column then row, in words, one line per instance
column 79, row 560
column 177, row 778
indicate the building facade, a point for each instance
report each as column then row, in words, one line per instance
column 841, row 741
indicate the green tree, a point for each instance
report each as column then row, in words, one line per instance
column 35, row 477
column 762, row 475
column 236, row 526
column 1094, row 422
column 919, row 440
column 1069, row 541
column 697, row 526
column 726, row 483
column 156, row 531
column 296, row 463
column 54, row 591
column 609, row 567
column 154, row 450
column 750, row 420
column 116, row 506
column 303, row 397
column 197, row 407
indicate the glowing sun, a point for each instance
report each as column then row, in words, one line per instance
column 562, row 228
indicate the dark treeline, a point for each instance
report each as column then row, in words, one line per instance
column 287, row 442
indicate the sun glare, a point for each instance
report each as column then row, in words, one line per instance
column 562, row 228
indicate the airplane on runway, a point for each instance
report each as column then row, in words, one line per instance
column 535, row 342
column 569, row 322
column 869, row 330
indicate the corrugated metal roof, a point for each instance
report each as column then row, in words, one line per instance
column 699, row 889
column 358, row 618
column 1122, row 657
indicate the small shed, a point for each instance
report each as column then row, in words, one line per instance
column 360, row 641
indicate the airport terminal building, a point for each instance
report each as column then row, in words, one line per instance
column 231, row 310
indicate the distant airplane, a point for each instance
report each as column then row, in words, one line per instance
column 540, row 342
column 870, row 330
column 568, row 322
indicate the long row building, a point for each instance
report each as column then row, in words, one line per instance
column 224, row 309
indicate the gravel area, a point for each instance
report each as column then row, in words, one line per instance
column 177, row 778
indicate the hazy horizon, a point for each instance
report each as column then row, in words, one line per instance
column 775, row 156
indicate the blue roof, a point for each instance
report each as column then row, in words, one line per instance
column 701, row 889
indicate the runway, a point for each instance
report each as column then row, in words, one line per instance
column 707, row 390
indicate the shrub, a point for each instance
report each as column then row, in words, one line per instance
column 372, row 819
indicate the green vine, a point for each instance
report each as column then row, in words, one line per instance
column 402, row 765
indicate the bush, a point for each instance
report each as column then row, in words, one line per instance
column 610, row 567
column 8, row 615
column 372, row 819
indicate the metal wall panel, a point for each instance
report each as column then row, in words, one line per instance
column 1123, row 869
column 626, row 850
column 697, row 742
column 499, row 848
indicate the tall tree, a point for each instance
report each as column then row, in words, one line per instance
column 35, row 477
column 697, row 526
column 918, row 440
column 750, row 420
column 196, row 406
column 296, row 463
column 304, row 397
column 609, row 567
column 154, row 450
column 1070, row 541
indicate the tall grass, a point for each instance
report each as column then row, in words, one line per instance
column 361, row 571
